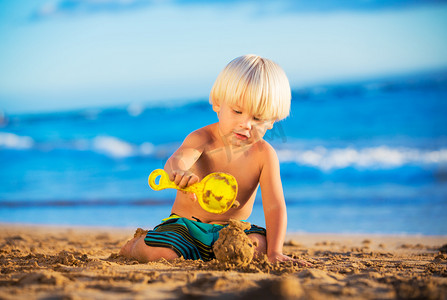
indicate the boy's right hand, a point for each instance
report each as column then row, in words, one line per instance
column 183, row 178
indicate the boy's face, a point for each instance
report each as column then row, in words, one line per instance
column 238, row 126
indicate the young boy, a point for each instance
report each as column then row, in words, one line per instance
column 249, row 95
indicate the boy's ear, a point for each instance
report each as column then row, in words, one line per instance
column 269, row 124
column 216, row 107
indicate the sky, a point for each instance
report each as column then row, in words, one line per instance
column 74, row 54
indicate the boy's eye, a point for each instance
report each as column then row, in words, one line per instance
column 257, row 118
column 237, row 111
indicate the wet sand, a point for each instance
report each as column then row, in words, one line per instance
column 44, row 262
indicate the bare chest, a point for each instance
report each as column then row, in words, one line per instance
column 243, row 165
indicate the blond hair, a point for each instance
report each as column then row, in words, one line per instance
column 255, row 84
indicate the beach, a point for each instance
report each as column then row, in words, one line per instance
column 68, row 262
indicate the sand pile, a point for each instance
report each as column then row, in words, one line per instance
column 139, row 232
column 234, row 246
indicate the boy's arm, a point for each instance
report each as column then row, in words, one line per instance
column 274, row 206
column 179, row 164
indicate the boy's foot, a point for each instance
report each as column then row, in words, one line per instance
column 127, row 248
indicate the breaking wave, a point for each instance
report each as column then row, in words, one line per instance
column 13, row 141
column 365, row 158
column 323, row 158
column 104, row 145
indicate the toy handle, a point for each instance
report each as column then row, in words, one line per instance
column 165, row 183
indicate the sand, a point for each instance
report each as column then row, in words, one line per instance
column 38, row 262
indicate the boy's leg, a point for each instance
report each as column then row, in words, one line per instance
column 137, row 248
column 259, row 242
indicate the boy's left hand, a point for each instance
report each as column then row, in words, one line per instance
column 279, row 257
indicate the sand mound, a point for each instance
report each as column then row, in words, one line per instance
column 233, row 245
column 140, row 232
column 43, row 277
column 443, row 249
column 282, row 288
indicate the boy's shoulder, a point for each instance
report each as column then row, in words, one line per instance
column 201, row 136
column 266, row 150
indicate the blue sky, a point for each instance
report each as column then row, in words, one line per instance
column 71, row 54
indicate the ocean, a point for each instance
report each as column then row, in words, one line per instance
column 358, row 157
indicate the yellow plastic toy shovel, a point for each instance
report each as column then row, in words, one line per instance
column 216, row 192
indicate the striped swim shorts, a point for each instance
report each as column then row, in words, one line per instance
column 190, row 239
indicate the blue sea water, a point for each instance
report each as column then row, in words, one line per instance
column 365, row 157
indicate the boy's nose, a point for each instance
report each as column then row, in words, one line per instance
column 247, row 123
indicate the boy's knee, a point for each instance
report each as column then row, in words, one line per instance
column 145, row 253
column 259, row 242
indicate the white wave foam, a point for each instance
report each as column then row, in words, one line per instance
column 376, row 157
column 113, row 146
column 135, row 109
column 117, row 148
column 106, row 145
column 13, row 141
column 147, row 148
